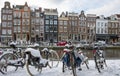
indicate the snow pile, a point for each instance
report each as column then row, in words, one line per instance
column 112, row 69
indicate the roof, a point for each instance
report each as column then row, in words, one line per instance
column 118, row 15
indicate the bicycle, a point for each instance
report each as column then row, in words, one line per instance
column 50, row 55
column 69, row 60
column 99, row 60
column 72, row 59
column 84, row 58
column 12, row 59
column 35, row 62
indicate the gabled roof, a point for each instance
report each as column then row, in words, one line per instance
column 118, row 15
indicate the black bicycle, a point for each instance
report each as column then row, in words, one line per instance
column 12, row 59
column 99, row 60
column 69, row 61
column 36, row 62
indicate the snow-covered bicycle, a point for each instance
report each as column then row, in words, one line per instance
column 72, row 59
column 99, row 59
column 35, row 61
column 11, row 59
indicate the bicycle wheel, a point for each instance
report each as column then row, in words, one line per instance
column 73, row 64
column 33, row 68
column 87, row 65
column 63, row 67
column 53, row 59
column 97, row 63
column 8, row 59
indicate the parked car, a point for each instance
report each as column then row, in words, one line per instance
column 62, row 43
column 116, row 44
column 84, row 44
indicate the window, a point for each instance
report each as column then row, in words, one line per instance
column 10, row 11
column 4, row 17
column 98, row 30
column 9, row 17
column 9, row 32
column 9, row 24
column 4, row 24
column 41, row 21
column 25, row 8
column 46, row 29
column 3, row 11
column 51, row 21
column 18, row 22
column 102, row 31
column 65, row 29
column 33, row 21
column 73, row 23
column 60, row 29
column 37, row 21
column 60, row 22
column 55, row 17
column 25, row 22
column 41, row 28
column 47, row 17
column 3, row 31
column 46, row 21
column 98, row 24
column 55, row 28
column 25, row 14
column 55, row 22
column 51, row 17
column 19, row 29
column 65, row 22
column 37, row 14
column 14, row 22
column 15, row 29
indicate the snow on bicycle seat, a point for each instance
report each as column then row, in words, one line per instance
column 34, row 52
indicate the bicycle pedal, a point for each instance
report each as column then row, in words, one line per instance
column 80, row 69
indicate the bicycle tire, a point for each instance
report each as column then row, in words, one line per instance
column 7, row 57
column 87, row 65
column 73, row 64
column 97, row 64
column 53, row 59
column 63, row 67
column 32, row 70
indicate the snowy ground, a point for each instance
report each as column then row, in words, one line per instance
column 112, row 69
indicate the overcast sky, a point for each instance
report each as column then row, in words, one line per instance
column 98, row 7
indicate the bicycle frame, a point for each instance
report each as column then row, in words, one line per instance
column 12, row 58
column 99, row 60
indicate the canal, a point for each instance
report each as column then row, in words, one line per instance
column 110, row 53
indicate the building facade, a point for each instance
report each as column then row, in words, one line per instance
column 73, row 26
column 50, row 25
column 83, row 29
column 6, row 23
column 91, row 25
column 21, row 23
column 63, row 27
column 113, row 30
column 37, row 25
column 102, row 28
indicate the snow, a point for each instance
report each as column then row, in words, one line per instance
column 34, row 52
column 112, row 69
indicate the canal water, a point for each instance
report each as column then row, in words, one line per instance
column 109, row 53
